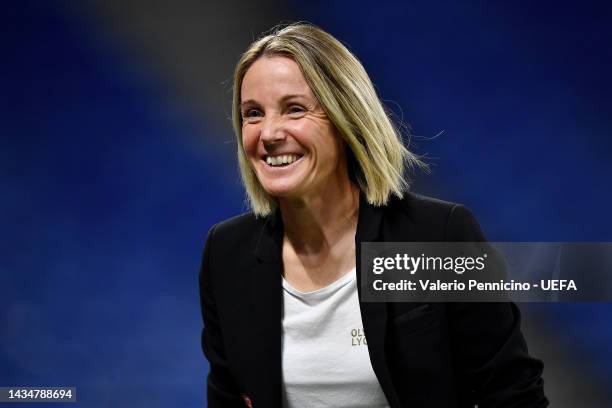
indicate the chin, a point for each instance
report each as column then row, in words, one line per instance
column 281, row 191
column 281, row 187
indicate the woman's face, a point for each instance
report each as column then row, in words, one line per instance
column 288, row 139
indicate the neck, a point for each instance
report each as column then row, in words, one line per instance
column 315, row 223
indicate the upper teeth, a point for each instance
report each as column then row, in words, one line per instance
column 284, row 159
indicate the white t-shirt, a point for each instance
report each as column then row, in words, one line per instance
column 325, row 356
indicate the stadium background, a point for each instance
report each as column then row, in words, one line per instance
column 117, row 156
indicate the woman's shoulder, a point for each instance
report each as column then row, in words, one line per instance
column 434, row 218
column 243, row 234
column 237, row 229
column 420, row 204
column 239, row 224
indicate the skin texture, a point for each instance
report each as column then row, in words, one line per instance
column 318, row 202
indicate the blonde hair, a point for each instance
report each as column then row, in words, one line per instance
column 376, row 154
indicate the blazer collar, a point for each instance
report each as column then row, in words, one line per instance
column 270, row 243
column 368, row 223
column 269, row 247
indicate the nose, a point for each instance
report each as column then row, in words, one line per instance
column 271, row 132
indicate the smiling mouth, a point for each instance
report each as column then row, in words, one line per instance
column 282, row 160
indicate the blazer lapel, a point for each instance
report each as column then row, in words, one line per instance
column 266, row 311
column 373, row 314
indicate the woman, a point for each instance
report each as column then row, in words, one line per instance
column 323, row 169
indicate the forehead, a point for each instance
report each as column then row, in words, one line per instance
column 271, row 77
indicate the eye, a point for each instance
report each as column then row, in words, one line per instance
column 296, row 110
column 252, row 115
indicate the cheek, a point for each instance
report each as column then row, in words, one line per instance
column 300, row 130
column 249, row 141
column 310, row 135
column 331, row 145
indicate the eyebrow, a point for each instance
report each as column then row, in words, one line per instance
column 283, row 99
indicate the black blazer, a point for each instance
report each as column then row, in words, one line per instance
column 424, row 355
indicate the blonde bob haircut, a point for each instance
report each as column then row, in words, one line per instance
column 376, row 155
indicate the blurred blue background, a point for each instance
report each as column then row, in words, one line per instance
column 117, row 156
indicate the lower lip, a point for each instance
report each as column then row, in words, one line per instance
column 281, row 169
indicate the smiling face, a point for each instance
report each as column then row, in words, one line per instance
column 288, row 139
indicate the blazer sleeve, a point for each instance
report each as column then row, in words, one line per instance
column 493, row 366
column 221, row 388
